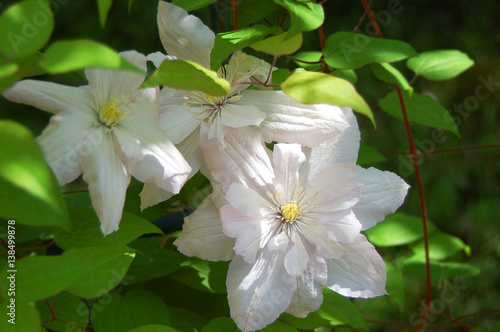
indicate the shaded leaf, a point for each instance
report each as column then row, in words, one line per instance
column 319, row 88
column 68, row 308
column 347, row 50
column 154, row 328
column 388, row 73
column 220, row 324
column 395, row 286
column 103, row 6
column 190, row 5
column 369, row 155
column 203, row 275
column 27, row 318
column 30, row 192
column 304, row 16
column 184, row 320
column 439, row 270
column 420, row 109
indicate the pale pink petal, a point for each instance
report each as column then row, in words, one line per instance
column 51, row 97
column 360, row 272
column 382, row 194
column 309, row 294
column 202, row 235
column 184, row 35
column 108, row 180
column 287, row 159
column 297, row 258
column 248, row 201
column 322, row 236
column 151, row 195
column 338, row 226
column 244, row 160
column 289, row 121
column 258, row 293
column 69, row 137
column 235, row 115
column 109, row 85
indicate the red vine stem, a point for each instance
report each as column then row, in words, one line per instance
column 414, row 157
column 321, row 33
column 234, row 4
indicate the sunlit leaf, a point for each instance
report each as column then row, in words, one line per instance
column 319, row 88
column 304, row 16
column 309, row 60
column 278, row 45
column 14, row 69
column 346, row 50
column 420, row 109
column 440, row 65
column 26, row 27
column 30, row 192
column 188, row 75
column 397, row 229
column 441, row 245
column 232, row 41
column 65, row 56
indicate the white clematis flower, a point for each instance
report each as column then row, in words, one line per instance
column 278, row 116
column 108, row 131
column 295, row 217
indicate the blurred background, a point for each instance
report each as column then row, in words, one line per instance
column 462, row 188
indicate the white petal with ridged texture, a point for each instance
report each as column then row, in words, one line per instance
column 184, row 35
column 234, row 115
column 51, row 97
column 108, row 85
column 360, row 272
column 157, row 58
column 179, row 121
column 289, row 121
column 69, row 137
column 287, row 159
column 202, row 235
column 151, row 195
column 108, row 180
column 244, row 160
column 258, row 293
column 297, row 258
column 382, row 194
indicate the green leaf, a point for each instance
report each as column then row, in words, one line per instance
column 252, row 11
column 103, row 7
column 388, row 73
column 109, row 267
column 26, row 27
column 439, row 270
column 308, row 56
column 220, row 324
column 14, row 69
column 278, row 45
column 69, row 55
column 232, row 41
column 441, row 246
column 397, row 229
column 188, row 75
column 420, row 109
column 152, row 260
column 279, row 326
column 369, row 155
column 190, row 5
column 440, row 65
column 26, row 316
column 136, row 308
column 154, row 328
column 39, row 277
column 335, row 310
column 318, row 88
column 68, row 308
column 184, row 320
column 86, row 231
column 347, row 50
column 304, row 16
column 396, row 285
column 203, row 275
column 347, row 74
column 29, row 190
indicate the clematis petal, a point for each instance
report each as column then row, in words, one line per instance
column 108, row 85
column 297, row 258
column 69, row 136
column 235, row 115
column 202, row 234
column 309, row 294
column 248, row 201
column 360, row 272
column 289, row 121
column 179, row 121
column 108, row 180
column 184, row 35
column 258, row 293
column 191, row 150
column 151, row 195
column 244, row 160
column 338, row 226
column 287, row 159
column 342, row 148
column 252, row 233
column 51, row 97
column 382, row 193
column 157, row 58
column 323, row 237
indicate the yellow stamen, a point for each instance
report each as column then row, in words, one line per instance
column 109, row 115
column 290, row 212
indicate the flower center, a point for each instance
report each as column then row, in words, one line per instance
column 212, row 104
column 290, row 212
column 109, row 115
